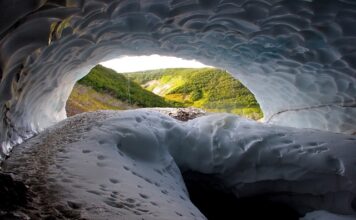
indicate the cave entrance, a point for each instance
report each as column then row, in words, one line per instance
column 216, row 202
column 161, row 81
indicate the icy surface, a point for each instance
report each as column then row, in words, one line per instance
column 323, row 215
column 297, row 57
column 100, row 170
column 126, row 164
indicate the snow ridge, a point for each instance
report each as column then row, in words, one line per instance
column 126, row 164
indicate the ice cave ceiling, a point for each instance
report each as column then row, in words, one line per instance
column 297, row 57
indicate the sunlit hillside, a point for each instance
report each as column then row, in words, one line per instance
column 211, row 89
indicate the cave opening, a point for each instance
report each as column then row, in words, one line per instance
column 165, row 82
column 297, row 57
column 217, row 202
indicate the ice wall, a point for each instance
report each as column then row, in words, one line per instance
column 297, row 57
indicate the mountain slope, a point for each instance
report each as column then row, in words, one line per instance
column 211, row 89
column 103, row 89
column 85, row 99
column 208, row 88
column 106, row 80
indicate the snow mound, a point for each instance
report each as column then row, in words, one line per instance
column 101, row 170
column 297, row 57
column 125, row 164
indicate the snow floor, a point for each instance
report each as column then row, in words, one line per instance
column 124, row 165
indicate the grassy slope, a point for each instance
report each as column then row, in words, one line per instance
column 105, row 80
column 103, row 88
column 86, row 99
column 211, row 89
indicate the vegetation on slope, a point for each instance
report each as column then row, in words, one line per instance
column 207, row 88
column 105, row 80
column 86, row 99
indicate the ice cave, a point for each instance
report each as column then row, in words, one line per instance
column 297, row 57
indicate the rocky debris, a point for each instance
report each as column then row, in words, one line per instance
column 182, row 114
column 186, row 114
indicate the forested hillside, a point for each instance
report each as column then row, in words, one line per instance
column 104, row 89
column 106, row 80
column 208, row 88
column 211, row 89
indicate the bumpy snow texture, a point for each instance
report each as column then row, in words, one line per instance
column 125, row 165
column 297, row 57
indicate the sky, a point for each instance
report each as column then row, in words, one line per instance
column 141, row 63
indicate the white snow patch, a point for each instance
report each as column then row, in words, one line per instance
column 125, row 163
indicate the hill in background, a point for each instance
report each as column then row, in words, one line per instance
column 105, row 89
column 211, row 89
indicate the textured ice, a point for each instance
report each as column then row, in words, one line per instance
column 126, row 164
column 323, row 215
column 100, row 170
column 297, row 57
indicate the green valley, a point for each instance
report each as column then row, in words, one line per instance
column 211, row 89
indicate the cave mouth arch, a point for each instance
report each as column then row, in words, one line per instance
column 297, row 57
column 289, row 55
